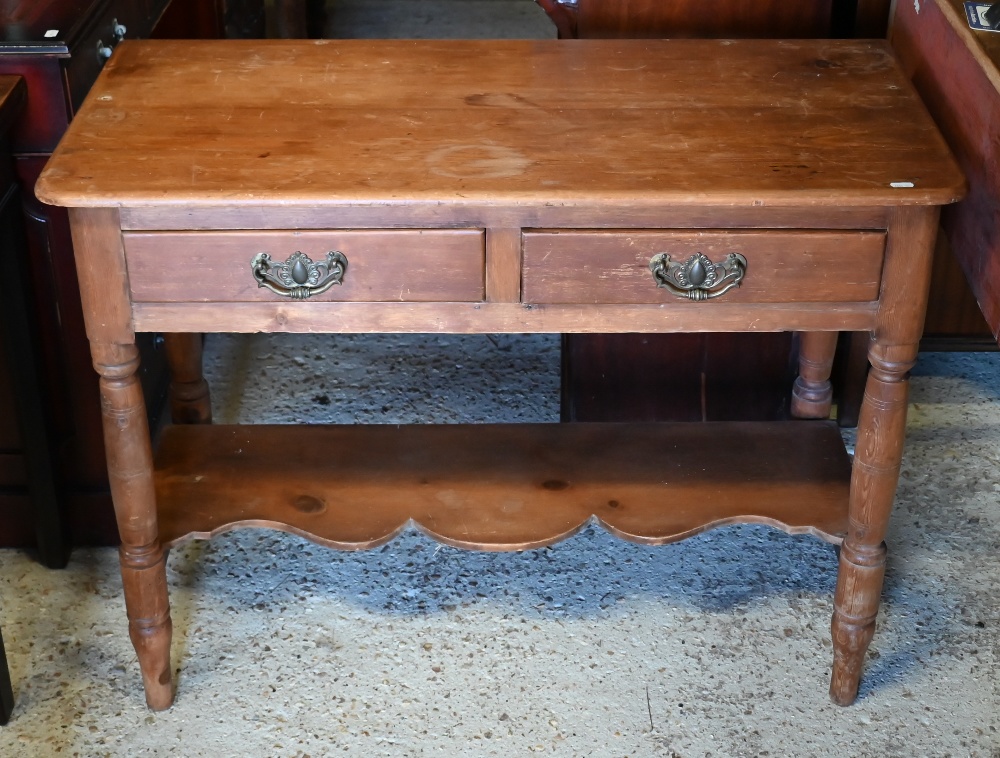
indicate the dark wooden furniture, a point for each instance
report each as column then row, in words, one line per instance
column 192, row 19
column 6, row 689
column 26, row 447
column 738, row 18
column 688, row 18
column 456, row 207
column 58, row 47
column 299, row 19
column 19, row 342
column 243, row 19
column 957, row 72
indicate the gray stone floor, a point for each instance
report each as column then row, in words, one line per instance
column 717, row 646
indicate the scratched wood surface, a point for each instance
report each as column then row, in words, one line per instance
column 782, row 266
column 382, row 265
column 747, row 122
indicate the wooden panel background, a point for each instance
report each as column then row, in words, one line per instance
column 697, row 18
column 959, row 80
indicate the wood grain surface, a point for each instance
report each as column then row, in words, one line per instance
column 327, row 123
column 382, row 266
column 501, row 487
column 496, row 318
column 782, row 266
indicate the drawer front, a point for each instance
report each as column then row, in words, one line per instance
column 446, row 265
column 781, row 266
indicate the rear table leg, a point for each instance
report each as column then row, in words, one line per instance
column 812, row 395
column 190, row 402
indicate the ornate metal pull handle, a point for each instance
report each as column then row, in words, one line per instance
column 118, row 32
column 299, row 277
column 698, row 278
column 103, row 51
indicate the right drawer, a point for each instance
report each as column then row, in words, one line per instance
column 584, row 266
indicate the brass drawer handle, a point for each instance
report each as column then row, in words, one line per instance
column 698, row 278
column 118, row 32
column 299, row 277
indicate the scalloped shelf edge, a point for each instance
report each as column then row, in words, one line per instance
column 501, row 486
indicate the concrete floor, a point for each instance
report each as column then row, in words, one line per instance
column 717, row 646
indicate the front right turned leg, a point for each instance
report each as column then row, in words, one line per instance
column 877, row 459
column 143, row 560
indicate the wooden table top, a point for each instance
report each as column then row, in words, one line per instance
column 684, row 122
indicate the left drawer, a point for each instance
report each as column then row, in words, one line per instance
column 383, row 265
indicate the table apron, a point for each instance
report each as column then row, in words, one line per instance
column 468, row 318
column 609, row 214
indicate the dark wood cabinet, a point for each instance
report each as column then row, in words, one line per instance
column 732, row 18
column 689, row 18
column 957, row 72
column 58, row 47
column 17, row 343
column 27, row 461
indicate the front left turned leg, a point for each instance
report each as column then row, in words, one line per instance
column 873, row 487
column 143, row 560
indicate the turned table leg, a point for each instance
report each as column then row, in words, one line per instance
column 104, row 291
column 877, row 457
column 143, row 560
column 190, row 402
column 812, row 395
column 879, row 449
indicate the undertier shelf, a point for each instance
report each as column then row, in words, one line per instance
column 501, row 487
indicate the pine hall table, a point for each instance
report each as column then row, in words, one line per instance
column 498, row 186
